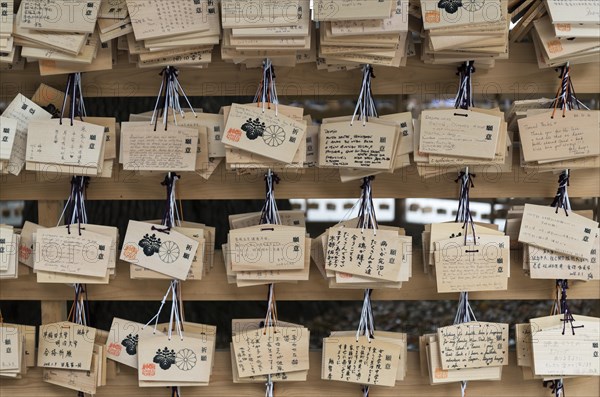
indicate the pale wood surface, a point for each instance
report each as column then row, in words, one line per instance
column 214, row 287
column 49, row 211
column 314, row 183
column 53, row 311
column 518, row 77
column 125, row 384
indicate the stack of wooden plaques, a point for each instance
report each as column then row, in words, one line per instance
column 559, row 259
column 277, row 351
column 184, row 359
column 519, row 108
column 247, row 278
column 351, row 34
column 85, row 254
column 362, row 148
column 9, row 260
column 13, row 363
column 7, row 45
column 173, row 32
column 455, row 31
column 17, row 343
column 210, row 150
column 560, row 31
column 193, row 351
column 284, row 37
column 265, row 135
column 522, row 14
column 466, row 258
column 447, row 140
column 75, row 147
column 92, row 149
column 555, row 347
column 556, row 139
column 64, row 40
column 73, row 356
column 566, row 36
column 190, row 257
column 15, row 123
column 536, row 107
column 345, row 355
column 350, row 257
column 266, row 254
column 464, row 352
column 574, row 19
column 113, row 20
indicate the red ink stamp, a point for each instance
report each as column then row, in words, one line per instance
column 554, row 46
column 149, row 369
column 130, row 251
column 432, row 17
column 24, row 252
column 234, row 134
column 441, row 374
column 114, row 349
column 563, row 27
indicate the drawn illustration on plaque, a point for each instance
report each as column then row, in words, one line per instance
column 130, row 343
column 185, row 360
column 451, row 6
column 168, row 252
column 165, row 358
column 274, row 135
column 150, row 244
column 253, row 128
column 473, row 5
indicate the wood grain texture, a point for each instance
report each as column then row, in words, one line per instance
column 125, row 384
column 518, row 77
column 314, row 183
column 53, row 311
column 214, row 287
column 49, row 211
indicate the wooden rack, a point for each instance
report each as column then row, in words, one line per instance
column 518, row 78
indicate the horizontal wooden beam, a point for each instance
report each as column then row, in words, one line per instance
column 215, row 287
column 518, row 77
column 313, row 183
column 415, row 384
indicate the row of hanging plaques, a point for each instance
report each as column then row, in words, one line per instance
column 555, row 245
column 269, row 135
column 74, row 356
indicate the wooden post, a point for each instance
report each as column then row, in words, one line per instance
column 49, row 211
column 53, row 311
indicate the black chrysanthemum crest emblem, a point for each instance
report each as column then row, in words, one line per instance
column 451, row 6
column 150, row 244
column 165, row 358
column 130, row 343
column 253, row 128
